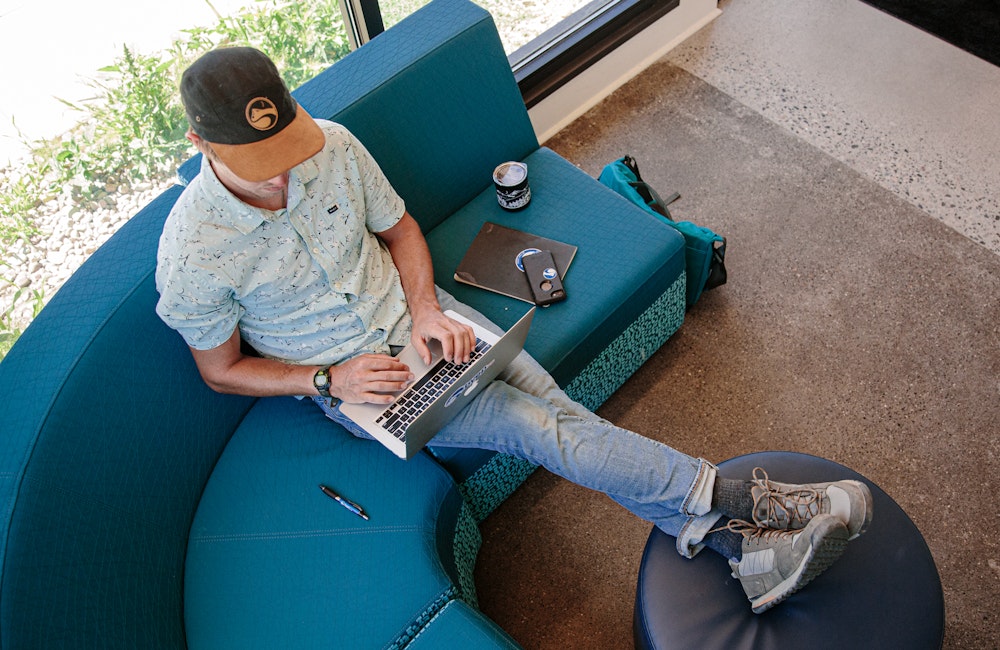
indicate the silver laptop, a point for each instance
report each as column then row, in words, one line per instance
column 439, row 390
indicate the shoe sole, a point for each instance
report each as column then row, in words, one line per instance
column 821, row 555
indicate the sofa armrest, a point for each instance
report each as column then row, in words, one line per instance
column 109, row 436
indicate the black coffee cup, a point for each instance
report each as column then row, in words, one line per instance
column 511, row 181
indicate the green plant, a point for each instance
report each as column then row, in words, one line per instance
column 18, row 196
column 133, row 130
column 10, row 329
column 301, row 38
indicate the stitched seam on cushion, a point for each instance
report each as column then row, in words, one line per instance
column 305, row 534
column 430, row 612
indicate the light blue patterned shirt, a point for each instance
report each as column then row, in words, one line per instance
column 310, row 284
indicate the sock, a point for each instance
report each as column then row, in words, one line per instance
column 724, row 541
column 732, row 497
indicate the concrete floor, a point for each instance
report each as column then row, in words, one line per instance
column 850, row 161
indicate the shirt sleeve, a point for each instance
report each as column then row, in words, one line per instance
column 194, row 300
column 383, row 205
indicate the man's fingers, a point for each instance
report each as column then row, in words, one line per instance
column 457, row 339
column 458, row 342
column 381, row 363
column 377, row 398
column 374, row 378
column 422, row 349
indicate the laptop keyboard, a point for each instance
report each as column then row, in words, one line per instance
column 420, row 395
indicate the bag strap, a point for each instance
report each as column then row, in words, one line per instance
column 645, row 190
column 717, row 267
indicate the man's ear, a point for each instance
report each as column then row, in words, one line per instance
column 201, row 144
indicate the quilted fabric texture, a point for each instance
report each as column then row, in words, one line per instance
column 270, row 553
column 104, row 455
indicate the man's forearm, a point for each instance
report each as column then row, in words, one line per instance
column 366, row 378
column 412, row 258
column 226, row 370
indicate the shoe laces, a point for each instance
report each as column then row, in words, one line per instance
column 783, row 505
column 753, row 532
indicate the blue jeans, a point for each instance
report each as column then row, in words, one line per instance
column 524, row 413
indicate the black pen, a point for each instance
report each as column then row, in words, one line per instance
column 350, row 505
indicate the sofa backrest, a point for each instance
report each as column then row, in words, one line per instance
column 108, row 433
column 108, row 438
column 435, row 102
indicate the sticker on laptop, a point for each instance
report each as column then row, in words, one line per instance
column 468, row 386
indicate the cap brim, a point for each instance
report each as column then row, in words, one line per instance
column 259, row 161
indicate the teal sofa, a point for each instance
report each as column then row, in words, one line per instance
column 142, row 510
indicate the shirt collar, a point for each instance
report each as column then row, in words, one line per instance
column 307, row 171
column 233, row 211
column 247, row 218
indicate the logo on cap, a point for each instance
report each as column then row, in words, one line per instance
column 262, row 114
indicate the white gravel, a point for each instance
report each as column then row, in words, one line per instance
column 69, row 235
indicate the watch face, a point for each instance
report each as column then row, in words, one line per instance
column 321, row 379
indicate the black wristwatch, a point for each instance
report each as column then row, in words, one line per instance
column 321, row 380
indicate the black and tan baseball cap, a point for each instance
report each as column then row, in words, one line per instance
column 236, row 100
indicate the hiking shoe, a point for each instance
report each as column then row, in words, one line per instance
column 785, row 506
column 777, row 563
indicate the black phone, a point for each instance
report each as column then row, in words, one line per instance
column 543, row 277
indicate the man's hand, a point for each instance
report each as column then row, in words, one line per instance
column 369, row 378
column 457, row 339
column 409, row 253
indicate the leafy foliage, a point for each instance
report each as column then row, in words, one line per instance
column 133, row 130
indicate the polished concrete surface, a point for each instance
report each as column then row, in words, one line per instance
column 861, row 321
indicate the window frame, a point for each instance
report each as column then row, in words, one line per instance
column 556, row 56
column 571, row 46
column 363, row 20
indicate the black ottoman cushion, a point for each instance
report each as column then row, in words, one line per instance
column 884, row 592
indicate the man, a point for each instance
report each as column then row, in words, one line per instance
column 292, row 240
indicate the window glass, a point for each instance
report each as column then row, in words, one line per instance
column 518, row 22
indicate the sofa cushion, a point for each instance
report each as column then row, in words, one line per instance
column 618, row 311
column 606, row 293
column 271, row 557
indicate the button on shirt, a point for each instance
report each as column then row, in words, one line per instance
column 310, row 284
